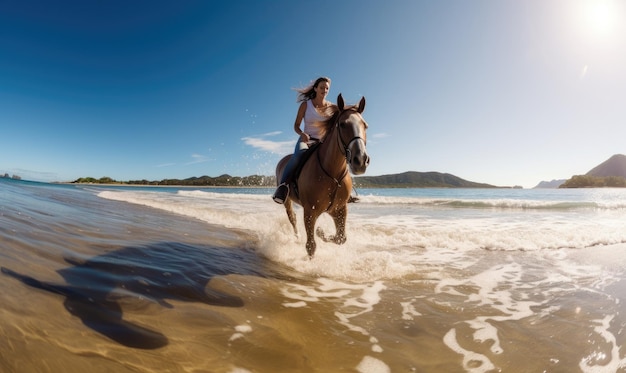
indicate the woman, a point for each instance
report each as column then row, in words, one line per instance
column 313, row 109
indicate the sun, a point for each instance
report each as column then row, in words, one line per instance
column 600, row 16
column 598, row 32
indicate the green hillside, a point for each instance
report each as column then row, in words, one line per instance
column 404, row 180
column 608, row 174
column 414, row 179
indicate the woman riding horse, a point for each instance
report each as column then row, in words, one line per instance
column 313, row 109
column 324, row 182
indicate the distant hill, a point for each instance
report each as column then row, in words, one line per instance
column 414, row 179
column 550, row 184
column 614, row 166
column 610, row 173
column 222, row 180
column 404, row 180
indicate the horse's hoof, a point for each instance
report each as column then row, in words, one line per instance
column 310, row 252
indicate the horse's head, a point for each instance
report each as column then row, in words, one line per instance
column 352, row 135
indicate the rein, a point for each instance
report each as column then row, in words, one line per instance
column 346, row 148
column 346, row 152
column 337, row 181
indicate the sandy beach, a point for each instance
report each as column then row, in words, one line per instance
column 145, row 280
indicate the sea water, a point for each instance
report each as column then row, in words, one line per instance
column 215, row 280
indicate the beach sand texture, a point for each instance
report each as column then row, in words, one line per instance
column 105, row 280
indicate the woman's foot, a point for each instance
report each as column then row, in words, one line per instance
column 281, row 193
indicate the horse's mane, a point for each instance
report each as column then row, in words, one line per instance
column 333, row 112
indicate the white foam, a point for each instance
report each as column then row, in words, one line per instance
column 501, row 300
column 239, row 370
column 445, row 248
column 499, row 199
column 243, row 328
column 387, row 241
column 372, row 365
column 235, row 336
column 511, row 295
column 375, row 346
column 494, row 289
column 300, row 304
column 473, row 362
column 408, row 311
column 308, row 294
column 587, row 363
column 240, row 331
column 358, row 299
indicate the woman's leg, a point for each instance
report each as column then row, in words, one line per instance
column 301, row 148
column 282, row 192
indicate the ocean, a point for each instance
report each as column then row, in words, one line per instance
column 155, row 279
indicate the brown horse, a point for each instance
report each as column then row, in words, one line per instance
column 324, row 184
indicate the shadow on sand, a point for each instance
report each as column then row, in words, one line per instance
column 157, row 273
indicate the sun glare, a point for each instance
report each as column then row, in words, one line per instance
column 600, row 16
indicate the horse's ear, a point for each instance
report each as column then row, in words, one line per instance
column 340, row 103
column 361, row 105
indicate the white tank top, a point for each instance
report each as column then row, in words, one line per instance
column 311, row 117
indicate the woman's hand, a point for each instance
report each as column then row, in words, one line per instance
column 304, row 137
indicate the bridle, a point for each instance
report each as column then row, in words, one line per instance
column 342, row 145
column 346, row 147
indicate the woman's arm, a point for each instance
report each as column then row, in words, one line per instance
column 296, row 126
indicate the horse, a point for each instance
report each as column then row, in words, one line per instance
column 324, row 183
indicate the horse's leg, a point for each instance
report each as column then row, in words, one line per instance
column 310, row 218
column 339, row 217
column 291, row 215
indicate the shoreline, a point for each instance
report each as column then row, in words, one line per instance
column 168, row 186
column 261, row 187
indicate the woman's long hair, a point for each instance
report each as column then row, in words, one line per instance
column 308, row 92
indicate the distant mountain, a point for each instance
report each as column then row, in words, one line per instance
column 403, row 180
column 550, row 184
column 610, row 173
column 222, row 180
column 414, row 179
column 614, row 166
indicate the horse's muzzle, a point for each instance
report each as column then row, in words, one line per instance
column 359, row 163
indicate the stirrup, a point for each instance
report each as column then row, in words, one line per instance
column 281, row 193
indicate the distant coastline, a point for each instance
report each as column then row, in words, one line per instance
column 123, row 184
column 203, row 181
column 609, row 174
column 409, row 179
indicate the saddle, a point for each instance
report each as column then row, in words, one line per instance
column 293, row 180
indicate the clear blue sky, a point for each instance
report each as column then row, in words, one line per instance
column 505, row 92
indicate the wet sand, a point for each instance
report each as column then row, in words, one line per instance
column 97, row 285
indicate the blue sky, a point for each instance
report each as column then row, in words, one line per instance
column 497, row 91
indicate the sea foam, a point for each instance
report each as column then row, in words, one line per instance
column 390, row 239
